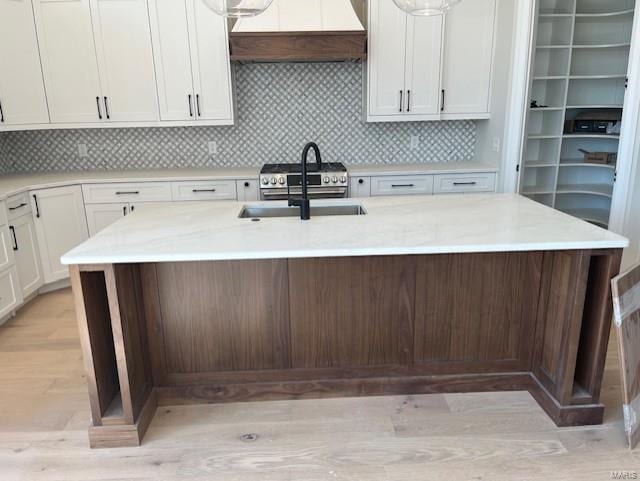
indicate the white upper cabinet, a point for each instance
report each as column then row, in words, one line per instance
column 386, row 64
column 97, row 60
column 22, row 97
column 468, row 57
column 430, row 68
column 210, row 60
column 125, row 59
column 424, row 40
column 69, row 60
column 170, row 35
column 191, row 51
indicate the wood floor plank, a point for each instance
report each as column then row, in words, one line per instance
column 44, row 414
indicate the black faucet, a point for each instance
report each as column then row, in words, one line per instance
column 303, row 201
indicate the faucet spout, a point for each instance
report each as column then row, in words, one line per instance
column 303, row 201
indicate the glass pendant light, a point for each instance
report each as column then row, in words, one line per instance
column 425, row 7
column 238, row 8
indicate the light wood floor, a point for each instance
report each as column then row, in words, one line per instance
column 44, row 416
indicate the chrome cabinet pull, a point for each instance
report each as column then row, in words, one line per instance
column 99, row 109
column 401, row 93
column 106, row 107
column 190, row 105
column 196, row 191
column 408, row 100
column 198, row 104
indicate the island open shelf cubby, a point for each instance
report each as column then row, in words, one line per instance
column 579, row 71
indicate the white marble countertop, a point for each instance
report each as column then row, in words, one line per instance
column 16, row 184
column 392, row 226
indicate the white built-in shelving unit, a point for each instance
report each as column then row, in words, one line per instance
column 580, row 62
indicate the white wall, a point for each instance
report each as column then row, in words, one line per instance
column 487, row 130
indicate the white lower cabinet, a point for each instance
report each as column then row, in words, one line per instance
column 360, row 187
column 25, row 251
column 61, row 225
column 10, row 295
column 248, row 190
column 100, row 216
column 402, row 185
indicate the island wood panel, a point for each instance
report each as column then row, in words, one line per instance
column 96, row 338
column 476, row 311
column 560, row 315
column 595, row 327
column 224, row 315
column 352, row 311
column 130, row 337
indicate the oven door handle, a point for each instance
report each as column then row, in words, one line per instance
column 274, row 192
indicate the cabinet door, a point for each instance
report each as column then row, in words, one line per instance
column 26, row 254
column 21, row 85
column 468, row 57
column 386, row 63
column 125, row 59
column 170, row 34
column 100, row 216
column 422, row 84
column 68, row 57
column 248, row 190
column 210, row 59
column 10, row 296
column 60, row 226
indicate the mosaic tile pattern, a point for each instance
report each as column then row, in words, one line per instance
column 279, row 108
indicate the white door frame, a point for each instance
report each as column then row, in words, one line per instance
column 516, row 115
column 629, row 148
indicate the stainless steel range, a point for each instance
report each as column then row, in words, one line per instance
column 325, row 180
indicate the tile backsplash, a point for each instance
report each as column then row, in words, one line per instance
column 279, row 108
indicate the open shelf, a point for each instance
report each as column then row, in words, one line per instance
column 603, row 7
column 542, row 151
column 591, row 189
column 556, row 7
column 603, row 30
column 600, row 61
column 549, row 93
column 609, row 91
column 545, row 199
column 554, row 30
column 539, row 181
column 545, row 123
column 579, row 162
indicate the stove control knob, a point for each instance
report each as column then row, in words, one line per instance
column 273, row 181
column 343, row 179
column 265, row 181
column 326, row 180
column 281, row 180
column 334, row 179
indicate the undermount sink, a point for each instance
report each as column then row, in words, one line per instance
column 260, row 212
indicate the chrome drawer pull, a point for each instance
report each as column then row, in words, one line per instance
column 133, row 192
column 196, row 191
column 402, row 185
column 464, row 183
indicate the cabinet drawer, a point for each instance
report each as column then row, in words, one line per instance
column 10, row 295
column 402, row 185
column 460, row 183
column 204, row 190
column 141, row 192
column 18, row 205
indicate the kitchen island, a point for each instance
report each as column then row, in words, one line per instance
column 191, row 303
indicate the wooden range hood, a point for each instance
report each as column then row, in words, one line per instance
column 300, row 30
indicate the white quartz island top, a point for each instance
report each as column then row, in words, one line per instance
column 393, row 226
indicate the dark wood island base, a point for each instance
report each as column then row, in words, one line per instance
column 248, row 330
